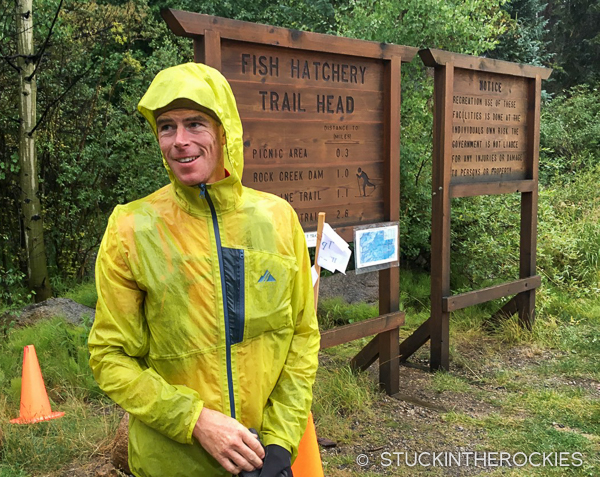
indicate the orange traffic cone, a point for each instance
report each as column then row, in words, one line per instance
column 35, row 406
column 308, row 462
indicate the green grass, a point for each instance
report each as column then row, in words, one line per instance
column 443, row 381
column 84, row 431
column 339, row 396
column 90, row 418
column 84, row 293
column 334, row 312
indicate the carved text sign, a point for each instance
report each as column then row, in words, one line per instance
column 313, row 129
column 489, row 127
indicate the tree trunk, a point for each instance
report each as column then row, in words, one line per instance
column 30, row 202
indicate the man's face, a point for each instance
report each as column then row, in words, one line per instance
column 192, row 143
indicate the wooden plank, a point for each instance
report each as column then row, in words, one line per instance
column 389, row 361
column 417, row 339
column 433, row 57
column 194, row 24
column 440, row 217
column 320, row 174
column 529, row 206
column 458, row 302
column 343, row 334
column 491, row 188
column 507, row 310
column 212, row 49
column 366, row 356
column 320, row 225
column 389, row 279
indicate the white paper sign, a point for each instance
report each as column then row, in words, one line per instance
column 334, row 253
column 311, row 239
column 315, row 275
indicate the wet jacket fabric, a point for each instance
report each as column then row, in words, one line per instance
column 204, row 299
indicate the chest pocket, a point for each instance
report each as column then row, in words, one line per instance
column 268, row 289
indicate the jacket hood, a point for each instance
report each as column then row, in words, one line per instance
column 195, row 83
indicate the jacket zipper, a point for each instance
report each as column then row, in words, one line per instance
column 213, row 213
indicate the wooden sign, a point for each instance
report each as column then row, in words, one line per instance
column 321, row 118
column 313, row 125
column 489, row 127
column 485, row 141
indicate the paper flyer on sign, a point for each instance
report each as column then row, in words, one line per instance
column 311, row 239
column 334, row 253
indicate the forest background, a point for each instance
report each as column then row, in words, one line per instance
column 95, row 59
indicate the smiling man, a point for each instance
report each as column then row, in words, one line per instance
column 189, row 337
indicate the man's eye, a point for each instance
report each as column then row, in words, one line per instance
column 165, row 127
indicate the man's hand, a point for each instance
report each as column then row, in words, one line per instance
column 229, row 442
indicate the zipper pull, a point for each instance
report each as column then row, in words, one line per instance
column 202, row 190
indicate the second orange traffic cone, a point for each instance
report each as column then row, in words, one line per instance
column 308, row 462
column 35, row 406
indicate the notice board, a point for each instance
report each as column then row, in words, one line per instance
column 485, row 142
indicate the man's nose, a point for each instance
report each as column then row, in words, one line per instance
column 181, row 137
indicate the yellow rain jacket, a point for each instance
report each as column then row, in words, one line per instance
column 205, row 298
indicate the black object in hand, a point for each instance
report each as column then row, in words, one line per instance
column 277, row 462
column 255, row 472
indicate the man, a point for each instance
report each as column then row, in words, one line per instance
column 205, row 323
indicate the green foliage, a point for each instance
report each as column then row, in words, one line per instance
column 574, row 42
column 84, row 293
column 525, row 38
column 464, row 27
column 444, row 381
column 336, row 312
column 339, row 394
column 485, row 236
column 49, row 446
column 570, row 134
column 89, row 416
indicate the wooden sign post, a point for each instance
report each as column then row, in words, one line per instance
column 321, row 118
column 486, row 141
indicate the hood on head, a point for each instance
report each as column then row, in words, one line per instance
column 197, row 86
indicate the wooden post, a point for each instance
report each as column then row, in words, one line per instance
column 389, row 279
column 320, row 225
column 529, row 206
column 207, row 49
column 440, row 225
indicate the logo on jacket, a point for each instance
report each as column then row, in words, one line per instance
column 267, row 277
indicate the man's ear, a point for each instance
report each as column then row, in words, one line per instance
column 223, row 137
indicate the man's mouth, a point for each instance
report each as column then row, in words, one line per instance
column 185, row 160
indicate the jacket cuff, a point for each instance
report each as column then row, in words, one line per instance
column 268, row 439
column 195, row 417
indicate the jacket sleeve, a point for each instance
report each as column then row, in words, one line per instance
column 286, row 414
column 118, row 344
